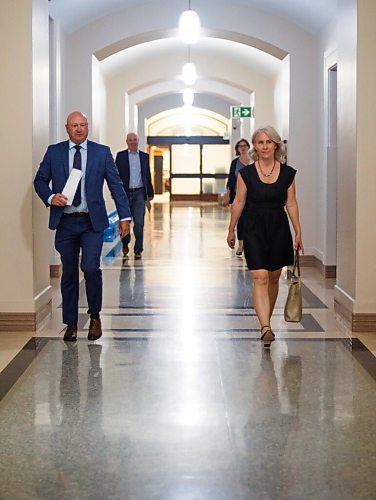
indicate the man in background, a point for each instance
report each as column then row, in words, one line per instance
column 134, row 170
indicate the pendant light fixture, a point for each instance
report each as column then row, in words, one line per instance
column 188, row 97
column 189, row 26
column 189, row 72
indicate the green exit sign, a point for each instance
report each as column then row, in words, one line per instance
column 242, row 112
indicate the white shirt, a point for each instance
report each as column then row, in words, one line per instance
column 135, row 178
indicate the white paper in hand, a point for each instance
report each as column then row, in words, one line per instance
column 71, row 185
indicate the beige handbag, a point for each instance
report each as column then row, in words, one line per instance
column 293, row 306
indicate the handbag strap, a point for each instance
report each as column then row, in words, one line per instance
column 296, row 264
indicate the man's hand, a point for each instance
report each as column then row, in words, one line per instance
column 59, row 200
column 150, row 198
column 124, row 228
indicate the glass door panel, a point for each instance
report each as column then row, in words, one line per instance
column 216, row 158
column 213, row 186
column 185, row 159
column 185, row 186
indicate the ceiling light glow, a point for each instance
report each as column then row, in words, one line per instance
column 188, row 97
column 189, row 27
column 189, row 73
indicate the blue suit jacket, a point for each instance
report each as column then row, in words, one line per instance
column 122, row 163
column 100, row 165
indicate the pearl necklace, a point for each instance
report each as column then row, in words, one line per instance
column 263, row 173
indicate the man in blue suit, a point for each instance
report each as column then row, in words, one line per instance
column 80, row 226
column 134, row 170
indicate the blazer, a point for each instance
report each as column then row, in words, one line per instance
column 122, row 163
column 231, row 181
column 100, row 166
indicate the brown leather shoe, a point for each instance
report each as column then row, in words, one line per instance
column 125, row 250
column 137, row 255
column 95, row 329
column 70, row 334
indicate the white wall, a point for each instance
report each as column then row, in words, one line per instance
column 99, row 113
column 326, row 203
column 347, row 148
column 282, row 99
column 302, row 145
column 57, row 44
column 63, row 97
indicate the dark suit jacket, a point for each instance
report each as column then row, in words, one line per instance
column 231, row 182
column 100, row 166
column 122, row 163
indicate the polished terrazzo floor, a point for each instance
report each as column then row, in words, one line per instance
column 178, row 401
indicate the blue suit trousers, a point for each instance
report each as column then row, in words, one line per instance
column 75, row 234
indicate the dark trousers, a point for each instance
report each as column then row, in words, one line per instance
column 137, row 206
column 72, row 235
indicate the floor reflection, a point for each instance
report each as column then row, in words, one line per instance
column 131, row 285
column 178, row 399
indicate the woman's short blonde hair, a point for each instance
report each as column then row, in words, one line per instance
column 280, row 152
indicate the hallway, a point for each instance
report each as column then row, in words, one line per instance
column 178, row 401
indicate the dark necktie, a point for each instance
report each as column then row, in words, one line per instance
column 78, row 166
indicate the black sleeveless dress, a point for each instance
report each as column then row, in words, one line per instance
column 267, row 237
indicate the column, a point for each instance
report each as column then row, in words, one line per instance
column 355, row 292
column 25, row 292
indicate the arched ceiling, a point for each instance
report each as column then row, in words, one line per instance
column 310, row 15
column 178, row 121
column 204, row 54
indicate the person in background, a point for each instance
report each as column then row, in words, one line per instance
column 265, row 192
column 134, row 170
column 80, row 226
column 242, row 159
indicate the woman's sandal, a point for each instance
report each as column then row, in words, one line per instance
column 267, row 336
column 239, row 253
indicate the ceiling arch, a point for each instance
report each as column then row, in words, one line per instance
column 166, row 57
column 208, row 87
column 174, row 122
column 149, row 73
column 222, row 34
column 160, row 104
column 307, row 14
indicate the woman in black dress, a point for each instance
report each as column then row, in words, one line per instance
column 266, row 191
column 242, row 159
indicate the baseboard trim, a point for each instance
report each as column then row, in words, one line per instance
column 355, row 322
column 313, row 261
column 326, row 271
column 55, row 270
column 194, row 197
column 24, row 321
column 307, row 260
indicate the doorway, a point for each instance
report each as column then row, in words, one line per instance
column 330, row 259
column 160, row 171
column 198, row 166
